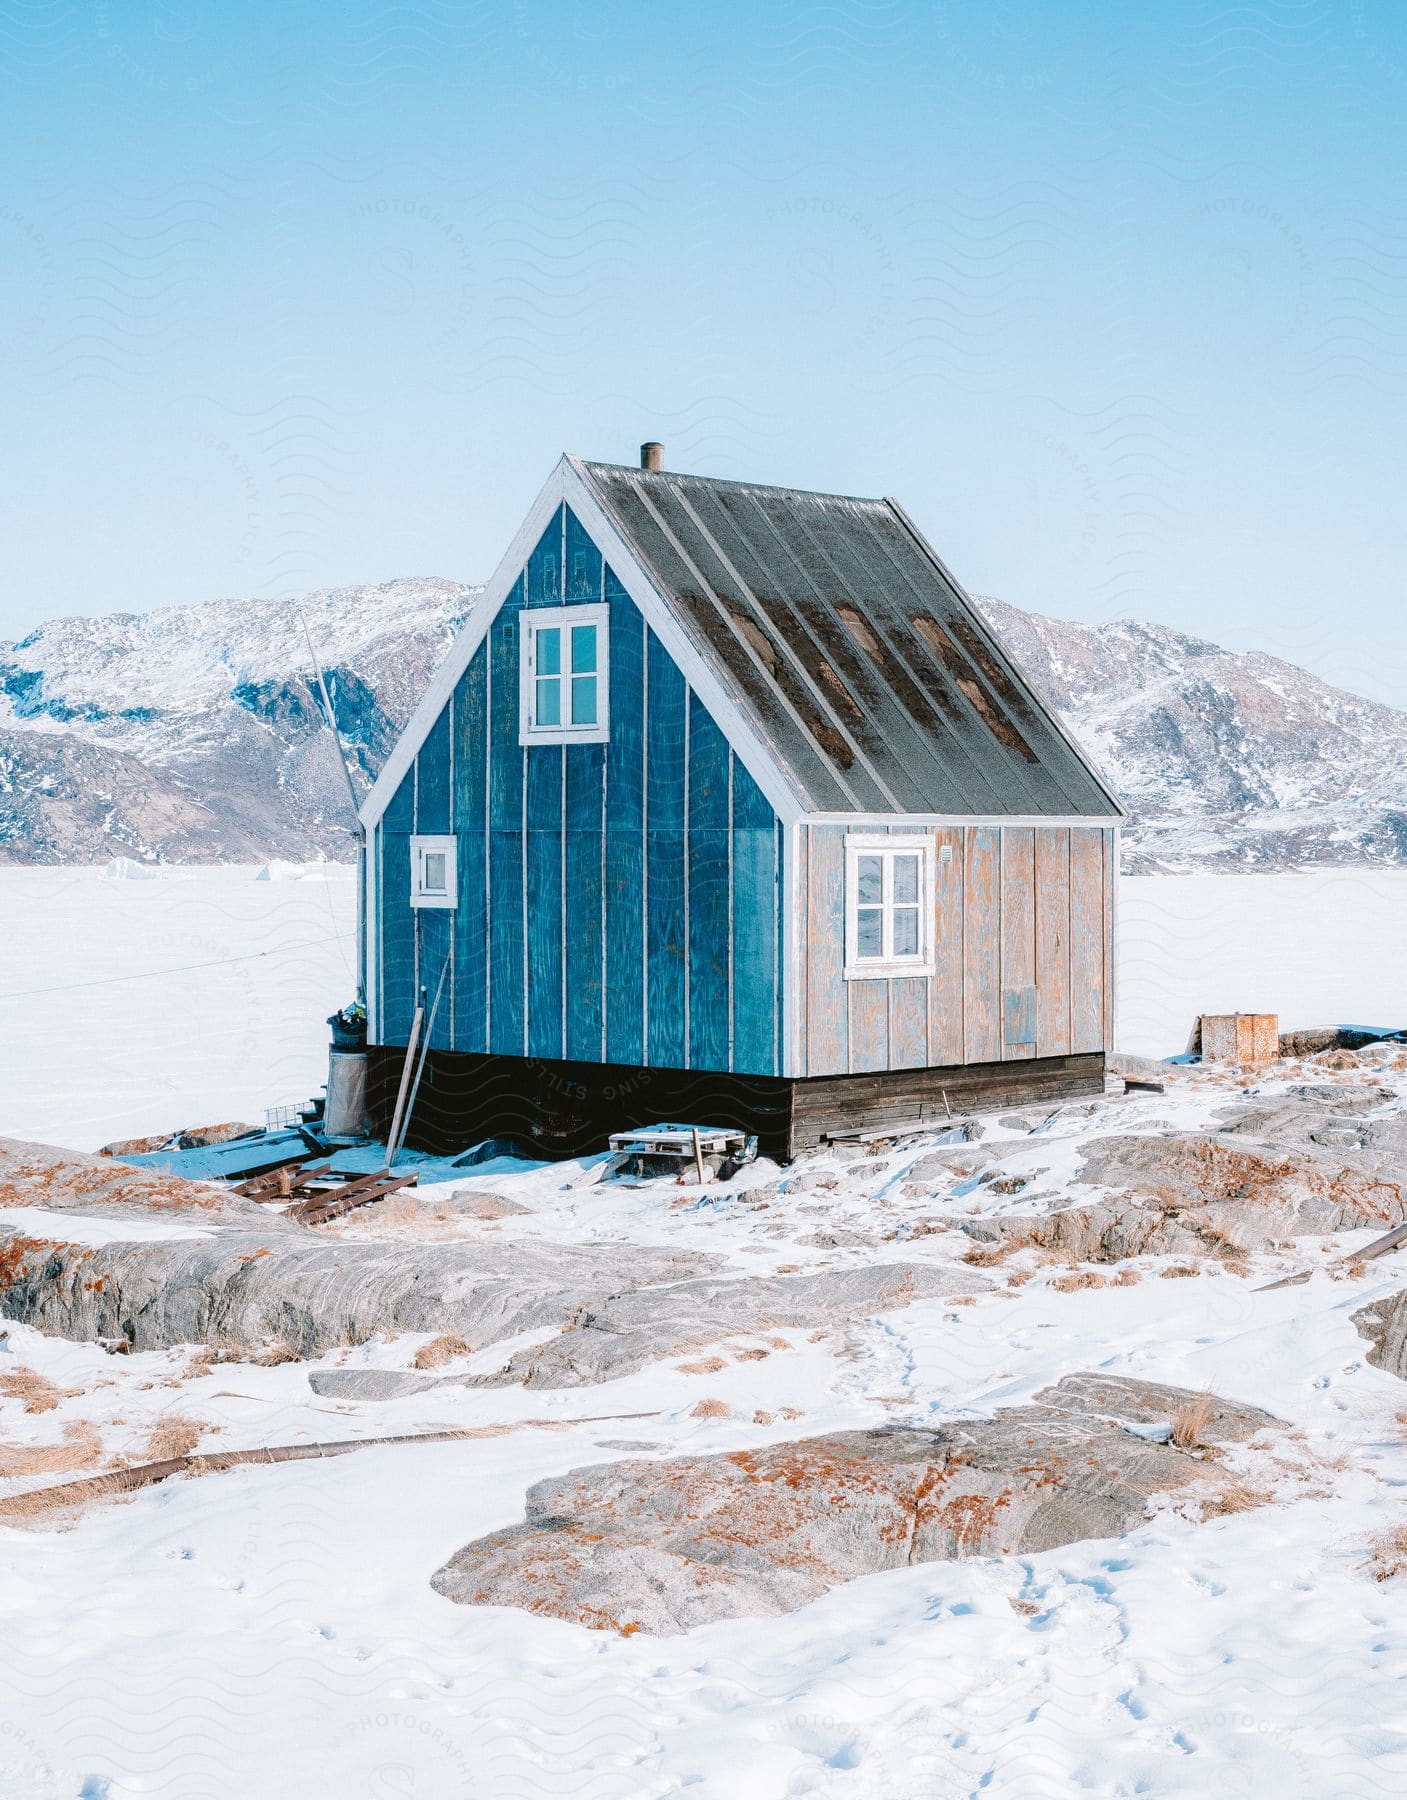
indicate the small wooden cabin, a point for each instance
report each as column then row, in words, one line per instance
column 727, row 806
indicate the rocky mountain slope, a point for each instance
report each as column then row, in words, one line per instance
column 1226, row 760
column 192, row 734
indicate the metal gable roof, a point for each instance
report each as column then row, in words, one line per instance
column 871, row 677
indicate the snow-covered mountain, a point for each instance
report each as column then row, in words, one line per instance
column 192, row 734
column 1225, row 759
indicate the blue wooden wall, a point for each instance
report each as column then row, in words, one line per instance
column 618, row 902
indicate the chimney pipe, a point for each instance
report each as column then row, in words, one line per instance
column 651, row 456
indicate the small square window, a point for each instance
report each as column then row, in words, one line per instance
column 888, row 907
column 565, row 665
column 434, row 867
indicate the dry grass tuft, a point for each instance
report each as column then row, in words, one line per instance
column 1127, row 1278
column 1191, row 1420
column 1389, row 1554
column 38, row 1393
column 707, row 1365
column 1236, row 1497
column 80, row 1447
column 275, row 1356
column 711, row 1409
column 1178, row 1270
column 441, row 1350
column 987, row 1256
column 1079, row 1278
column 172, row 1436
column 753, row 1355
column 398, row 1209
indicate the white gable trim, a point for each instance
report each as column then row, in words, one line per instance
column 461, row 652
column 569, row 483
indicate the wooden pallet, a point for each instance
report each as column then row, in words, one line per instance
column 329, row 1198
column 316, row 1192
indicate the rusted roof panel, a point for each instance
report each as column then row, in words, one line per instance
column 877, row 684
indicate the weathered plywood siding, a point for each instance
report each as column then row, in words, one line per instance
column 617, row 902
column 1023, row 921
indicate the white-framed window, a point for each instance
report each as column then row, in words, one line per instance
column 888, row 906
column 434, row 871
column 564, row 692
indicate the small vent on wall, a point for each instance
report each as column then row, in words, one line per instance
column 1019, row 1015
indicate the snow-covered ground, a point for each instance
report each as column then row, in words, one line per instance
column 271, row 1631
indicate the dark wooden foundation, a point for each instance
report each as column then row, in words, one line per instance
column 563, row 1109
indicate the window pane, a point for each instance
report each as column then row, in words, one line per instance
column 434, row 872
column 869, row 932
column 906, row 931
column 871, row 878
column 549, row 652
column 549, row 702
column 583, row 700
column 905, row 880
column 583, row 649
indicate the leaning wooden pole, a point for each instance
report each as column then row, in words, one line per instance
column 404, row 1087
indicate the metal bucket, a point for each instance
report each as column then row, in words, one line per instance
column 345, row 1115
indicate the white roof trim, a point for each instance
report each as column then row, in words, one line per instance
column 461, row 652
column 569, row 483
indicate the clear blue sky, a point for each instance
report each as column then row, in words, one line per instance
column 1114, row 298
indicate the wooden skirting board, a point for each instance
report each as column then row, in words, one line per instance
column 566, row 1109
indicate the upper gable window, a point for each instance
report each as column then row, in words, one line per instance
column 888, row 906
column 565, row 669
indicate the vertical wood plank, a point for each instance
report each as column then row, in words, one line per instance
column 755, row 870
column 432, row 805
column 798, row 1053
column 397, row 937
column 470, row 726
column 982, row 944
column 828, row 1049
column 581, row 577
column 586, row 774
column 544, row 879
column 665, row 851
column 945, row 989
column 543, row 577
column 1018, row 906
column 1110, row 849
column 1087, row 939
column 506, row 874
column 709, row 996
column 1053, row 941
column 625, row 846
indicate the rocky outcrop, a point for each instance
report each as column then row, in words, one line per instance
column 203, row 1265
column 620, row 1333
column 663, row 1546
column 1384, row 1324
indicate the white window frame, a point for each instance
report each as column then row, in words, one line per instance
column 533, row 619
column 420, row 848
column 888, row 966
